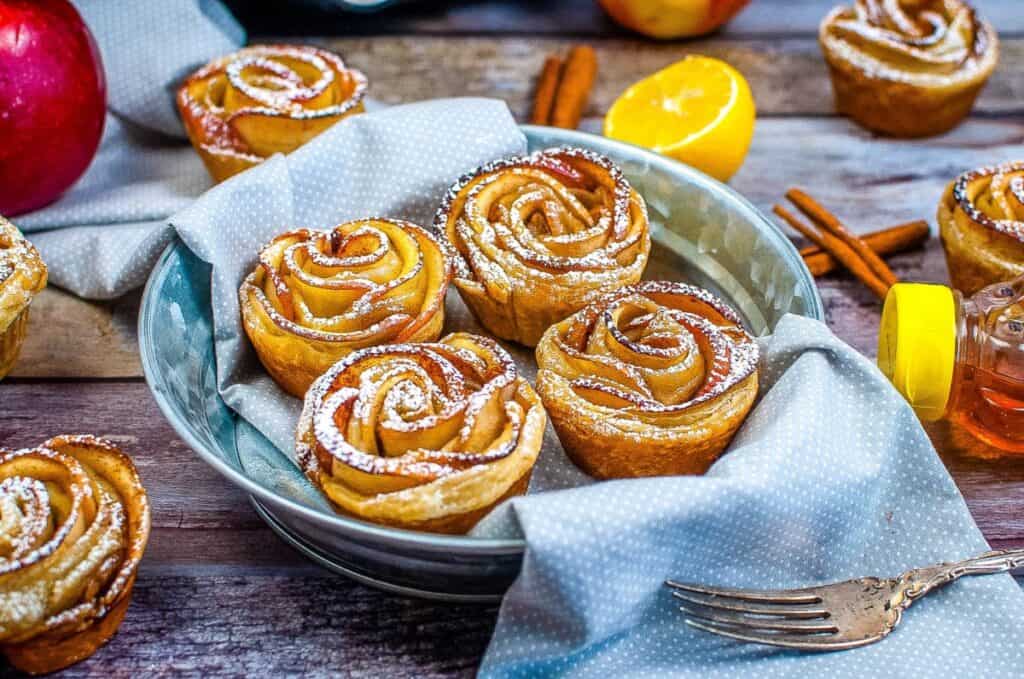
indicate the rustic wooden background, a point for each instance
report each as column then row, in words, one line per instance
column 217, row 593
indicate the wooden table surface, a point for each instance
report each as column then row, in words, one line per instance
column 218, row 594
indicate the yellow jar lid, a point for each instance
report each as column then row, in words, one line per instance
column 917, row 345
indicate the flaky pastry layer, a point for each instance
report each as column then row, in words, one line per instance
column 427, row 436
column 316, row 296
column 981, row 222
column 243, row 107
column 74, row 522
column 653, row 380
column 537, row 237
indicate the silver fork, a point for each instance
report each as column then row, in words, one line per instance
column 830, row 617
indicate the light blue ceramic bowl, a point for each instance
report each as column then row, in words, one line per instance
column 703, row 232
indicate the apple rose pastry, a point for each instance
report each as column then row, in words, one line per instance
column 22, row 276
column 981, row 222
column 651, row 381
column 246, row 106
column 541, row 236
column 74, row 521
column 908, row 68
column 316, row 296
column 422, row 436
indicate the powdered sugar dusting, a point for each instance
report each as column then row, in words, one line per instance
column 708, row 338
column 491, row 216
column 362, row 293
column 1000, row 189
column 262, row 83
column 22, row 273
column 415, row 389
column 931, row 43
column 72, row 505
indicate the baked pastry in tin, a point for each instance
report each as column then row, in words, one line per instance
column 981, row 223
column 74, row 522
column 427, row 436
column 653, row 380
column 538, row 237
column 908, row 68
column 22, row 277
column 316, row 296
column 243, row 107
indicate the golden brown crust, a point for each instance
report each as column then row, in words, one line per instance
column 455, row 523
column 22, row 277
column 243, row 107
column 981, row 223
column 316, row 296
column 75, row 522
column 52, row 654
column 11, row 340
column 910, row 68
column 651, row 381
column 427, row 436
column 538, row 237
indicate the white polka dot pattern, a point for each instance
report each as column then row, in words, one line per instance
column 103, row 236
column 393, row 163
column 144, row 67
column 831, row 477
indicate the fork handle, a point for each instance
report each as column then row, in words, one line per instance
column 999, row 561
column 918, row 582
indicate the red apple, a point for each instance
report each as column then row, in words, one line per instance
column 667, row 19
column 52, row 101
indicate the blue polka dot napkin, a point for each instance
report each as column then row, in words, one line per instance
column 148, row 48
column 830, row 478
column 103, row 236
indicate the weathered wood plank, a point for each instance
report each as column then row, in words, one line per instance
column 566, row 17
column 993, row 487
column 210, row 559
column 870, row 181
column 272, row 626
column 71, row 337
column 787, row 75
column 186, row 493
column 803, row 16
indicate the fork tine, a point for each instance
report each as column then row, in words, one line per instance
column 780, row 610
column 768, row 596
column 801, row 642
column 754, row 623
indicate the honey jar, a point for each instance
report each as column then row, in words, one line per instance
column 959, row 357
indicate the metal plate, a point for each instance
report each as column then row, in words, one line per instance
column 703, row 232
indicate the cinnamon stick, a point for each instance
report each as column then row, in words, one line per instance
column 547, row 87
column 839, row 249
column 578, row 76
column 889, row 241
column 829, row 223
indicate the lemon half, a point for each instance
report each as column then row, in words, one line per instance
column 699, row 111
